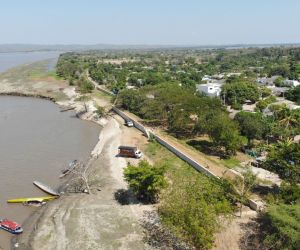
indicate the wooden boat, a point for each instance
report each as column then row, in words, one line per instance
column 36, row 199
column 71, row 167
column 10, row 226
column 46, row 188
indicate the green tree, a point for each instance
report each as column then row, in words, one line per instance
column 284, row 159
column 224, row 133
column 294, row 94
column 145, row 180
column 252, row 125
column 239, row 92
column 279, row 81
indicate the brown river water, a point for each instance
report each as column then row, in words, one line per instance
column 36, row 143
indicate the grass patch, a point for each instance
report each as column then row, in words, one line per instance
column 231, row 162
column 101, row 95
column 83, row 98
column 52, row 73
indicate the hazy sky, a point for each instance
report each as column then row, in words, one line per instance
column 194, row 22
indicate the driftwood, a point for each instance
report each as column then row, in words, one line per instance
column 80, row 182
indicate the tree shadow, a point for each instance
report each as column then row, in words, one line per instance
column 207, row 147
column 263, row 190
column 125, row 197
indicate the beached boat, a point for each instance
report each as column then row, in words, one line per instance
column 36, row 199
column 66, row 171
column 34, row 203
column 10, row 226
column 46, row 188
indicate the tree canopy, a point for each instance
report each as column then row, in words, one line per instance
column 145, row 180
column 284, row 159
column 252, row 125
column 239, row 92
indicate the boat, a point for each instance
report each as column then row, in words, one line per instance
column 67, row 170
column 34, row 203
column 46, row 188
column 36, row 199
column 10, row 226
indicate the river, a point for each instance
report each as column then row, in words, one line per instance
column 9, row 60
column 36, row 143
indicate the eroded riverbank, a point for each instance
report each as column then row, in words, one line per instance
column 37, row 141
column 95, row 221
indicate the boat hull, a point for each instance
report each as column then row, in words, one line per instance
column 45, row 188
column 12, row 231
column 35, row 199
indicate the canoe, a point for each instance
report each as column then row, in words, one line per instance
column 36, row 199
column 71, row 167
column 46, row 188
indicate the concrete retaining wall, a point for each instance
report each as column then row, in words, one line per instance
column 135, row 123
column 183, row 157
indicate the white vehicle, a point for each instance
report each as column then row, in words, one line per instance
column 129, row 123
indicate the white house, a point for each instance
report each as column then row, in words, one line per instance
column 291, row 83
column 210, row 89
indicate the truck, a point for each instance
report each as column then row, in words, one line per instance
column 127, row 151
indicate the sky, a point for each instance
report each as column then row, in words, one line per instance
column 150, row 22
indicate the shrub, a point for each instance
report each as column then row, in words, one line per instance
column 85, row 86
column 191, row 208
column 283, row 227
column 145, row 180
column 100, row 111
column 289, row 193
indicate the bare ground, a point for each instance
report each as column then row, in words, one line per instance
column 232, row 230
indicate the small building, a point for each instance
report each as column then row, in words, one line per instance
column 291, row 83
column 210, row 89
column 266, row 81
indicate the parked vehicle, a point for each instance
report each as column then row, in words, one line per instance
column 129, row 123
column 10, row 226
column 127, row 151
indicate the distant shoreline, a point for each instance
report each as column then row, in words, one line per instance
column 11, row 48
